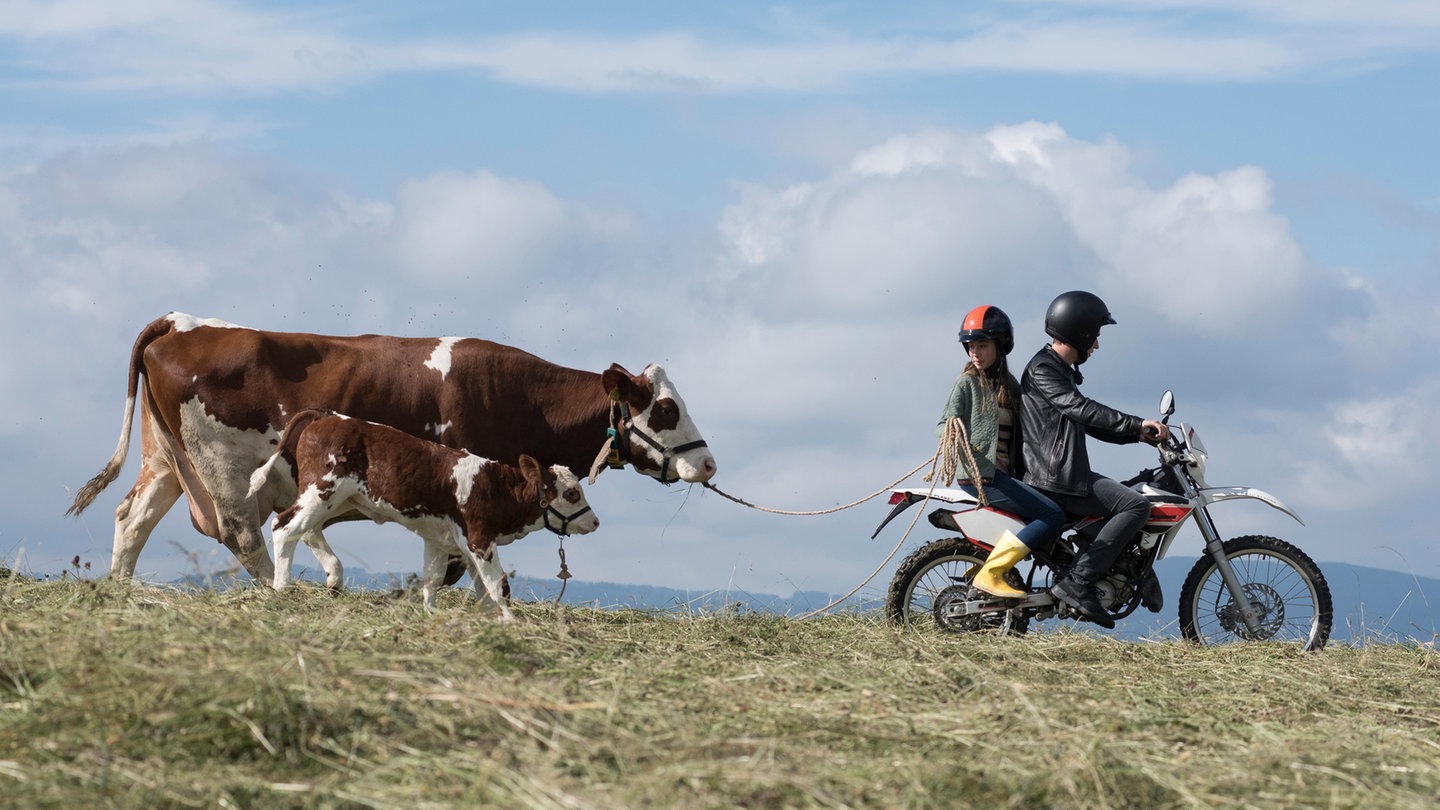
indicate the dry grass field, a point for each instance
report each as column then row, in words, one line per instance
column 118, row 695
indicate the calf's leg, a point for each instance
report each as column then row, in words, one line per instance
column 494, row 579
column 329, row 562
column 297, row 523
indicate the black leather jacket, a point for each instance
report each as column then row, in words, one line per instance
column 1055, row 418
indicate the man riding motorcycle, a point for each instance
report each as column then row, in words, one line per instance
column 1055, row 419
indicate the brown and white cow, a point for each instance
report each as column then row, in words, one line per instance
column 215, row 397
column 456, row 501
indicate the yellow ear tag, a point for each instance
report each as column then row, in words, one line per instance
column 614, row 394
column 613, row 458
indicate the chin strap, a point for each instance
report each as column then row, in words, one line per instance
column 564, row 520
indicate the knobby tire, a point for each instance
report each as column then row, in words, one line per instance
column 1286, row 584
column 943, row 568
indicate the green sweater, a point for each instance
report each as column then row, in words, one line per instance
column 980, row 413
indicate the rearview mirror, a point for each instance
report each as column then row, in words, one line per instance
column 1167, row 403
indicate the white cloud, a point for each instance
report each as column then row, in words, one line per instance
column 1212, row 242
column 1367, row 450
column 208, row 46
column 995, row 215
column 452, row 227
column 109, row 228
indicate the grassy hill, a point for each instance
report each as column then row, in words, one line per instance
column 137, row 696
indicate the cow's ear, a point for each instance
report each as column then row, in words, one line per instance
column 618, row 383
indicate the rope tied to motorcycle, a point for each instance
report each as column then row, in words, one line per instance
column 954, row 452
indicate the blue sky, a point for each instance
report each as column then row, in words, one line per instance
column 790, row 207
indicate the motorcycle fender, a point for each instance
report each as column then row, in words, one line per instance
column 1211, row 495
column 986, row 525
column 899, row 507
column 914, row 496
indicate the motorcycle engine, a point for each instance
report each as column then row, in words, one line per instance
column 1113, row 591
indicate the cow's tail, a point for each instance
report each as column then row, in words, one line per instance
column 286, row 450
column 156, row 329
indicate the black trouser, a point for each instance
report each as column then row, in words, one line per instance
column 1127, row 510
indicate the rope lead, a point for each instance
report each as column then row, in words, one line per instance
column 954, row 451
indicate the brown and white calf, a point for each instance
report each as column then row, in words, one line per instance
column 458, row 503
column 212, row 398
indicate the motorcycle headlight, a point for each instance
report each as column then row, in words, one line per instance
column 1197, row 453
column 1192, row 440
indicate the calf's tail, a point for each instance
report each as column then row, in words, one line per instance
column 289, row 439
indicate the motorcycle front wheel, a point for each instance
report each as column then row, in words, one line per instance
column 934, row 575
column 1281, row 582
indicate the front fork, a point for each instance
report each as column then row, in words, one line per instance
column 1215, row 547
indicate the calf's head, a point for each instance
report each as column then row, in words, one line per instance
column 562, row 505
column 567, row 511
column 656, row 434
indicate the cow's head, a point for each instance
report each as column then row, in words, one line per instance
column 656, row 435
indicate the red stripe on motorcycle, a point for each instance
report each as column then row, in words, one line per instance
column 1167, row 513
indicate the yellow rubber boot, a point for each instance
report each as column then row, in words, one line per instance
column 991, row 577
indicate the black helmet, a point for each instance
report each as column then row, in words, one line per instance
column 989, row 323
column 1075, row 318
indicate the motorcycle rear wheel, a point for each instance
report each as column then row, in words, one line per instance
column 935, row 573
column 1281, row 581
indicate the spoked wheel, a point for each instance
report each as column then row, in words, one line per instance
column 937, row 574
column 1284, row 586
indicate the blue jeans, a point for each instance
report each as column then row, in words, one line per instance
column 1015, row 496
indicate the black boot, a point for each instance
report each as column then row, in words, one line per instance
column 1081, row 596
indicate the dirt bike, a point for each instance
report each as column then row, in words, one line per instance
column 1249, row 588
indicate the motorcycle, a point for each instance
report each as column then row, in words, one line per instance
column 1252, row 588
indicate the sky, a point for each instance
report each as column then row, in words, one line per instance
column 790, row 207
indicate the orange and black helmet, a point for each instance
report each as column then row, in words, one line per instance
column 989, row 323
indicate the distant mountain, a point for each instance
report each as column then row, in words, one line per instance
column 1370, row 604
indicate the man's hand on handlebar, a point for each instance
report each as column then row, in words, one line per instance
column 1153, row 432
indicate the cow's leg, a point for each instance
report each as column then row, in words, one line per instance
column 223, row 459
column 437, row 559
column 156, row 490
column 241, row 533
column 457, row 566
